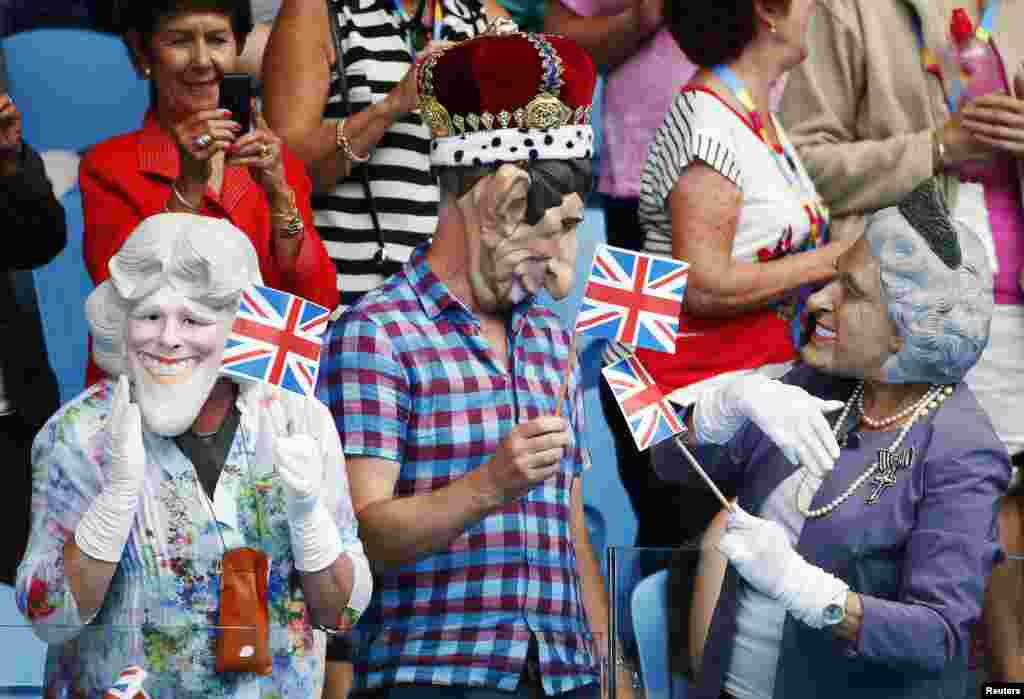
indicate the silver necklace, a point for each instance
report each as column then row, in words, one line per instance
column 933, row 398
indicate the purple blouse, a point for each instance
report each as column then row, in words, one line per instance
column 919, row 557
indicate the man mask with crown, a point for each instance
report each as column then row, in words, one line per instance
column 446, row 383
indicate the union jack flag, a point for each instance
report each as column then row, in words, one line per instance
column 633, row 298
column 276, row 339
column 650, row 417
column 129, row 684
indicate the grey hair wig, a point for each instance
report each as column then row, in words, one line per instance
column 937, row 283
column 208, row 260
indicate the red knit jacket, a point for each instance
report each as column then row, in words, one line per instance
column 128, row 178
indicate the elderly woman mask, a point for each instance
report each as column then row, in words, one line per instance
column 912, row 302
column 527, row 218
column 164, row 315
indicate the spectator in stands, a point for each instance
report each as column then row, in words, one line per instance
column 190, row 156
column 460, row 409
column 361, row 136
column 872, row 120
column 724, row 190
column 861, row 566
column 170, row 499
column 644, row 70
column 28, row 388
column 263, row 14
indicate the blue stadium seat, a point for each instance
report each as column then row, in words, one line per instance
column 73, row 87
column 22, row 654
column 649, row 607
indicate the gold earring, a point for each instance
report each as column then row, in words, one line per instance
column 771, row 27
column 146, row 72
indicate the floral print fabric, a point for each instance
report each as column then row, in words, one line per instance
column 161, row 609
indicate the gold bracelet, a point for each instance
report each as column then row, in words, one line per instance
column 343, row 144
column 294, row 225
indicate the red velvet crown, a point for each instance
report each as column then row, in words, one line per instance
column 537, row 81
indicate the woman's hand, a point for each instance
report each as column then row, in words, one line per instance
column 962, row 143
column 405, row 95
column 199, row 138
column 10, row 135
column 997, row 121
column 260, row 150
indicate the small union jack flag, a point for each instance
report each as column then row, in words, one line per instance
column 650, row 418
column 128, row 684
column 633, row 298
column 276, row 339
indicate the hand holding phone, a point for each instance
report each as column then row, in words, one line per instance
column 236, row 95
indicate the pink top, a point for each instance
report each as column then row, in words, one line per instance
column 1001, row 179
column 637, row 96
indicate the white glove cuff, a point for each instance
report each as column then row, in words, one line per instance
column 362, row 583
column 104, row 528
column 812, row 590
column 316, row 543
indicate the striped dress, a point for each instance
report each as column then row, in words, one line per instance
column 376, row 58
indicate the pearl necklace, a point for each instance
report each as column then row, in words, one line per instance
column 892, row 419
column 932, row 399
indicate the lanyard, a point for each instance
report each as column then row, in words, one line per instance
column 817, row 213
column 989, row 13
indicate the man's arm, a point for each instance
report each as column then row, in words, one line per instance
column 27, row 202
column 609, row 39
column 397, row 531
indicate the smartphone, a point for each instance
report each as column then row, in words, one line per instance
column 236, row 97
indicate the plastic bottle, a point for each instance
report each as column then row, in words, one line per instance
column 980, row 70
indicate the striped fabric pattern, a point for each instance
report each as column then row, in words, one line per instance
column 410, row 379
column 406, row 195
column 685, row 136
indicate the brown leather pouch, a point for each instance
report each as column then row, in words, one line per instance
column 243, row 642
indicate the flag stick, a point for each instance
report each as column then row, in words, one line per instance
column 564, row 393
column 700, row 471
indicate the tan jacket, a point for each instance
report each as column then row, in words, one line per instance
column 861, row 108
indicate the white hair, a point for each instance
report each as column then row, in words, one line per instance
column 937, row 284
column 208, row 260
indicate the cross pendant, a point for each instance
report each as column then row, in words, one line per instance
column 888, row 463
column 881, row 481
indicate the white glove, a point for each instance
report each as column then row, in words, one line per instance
column 762, row 554
column 790, row 416
column 104, row 528
column 316, row 542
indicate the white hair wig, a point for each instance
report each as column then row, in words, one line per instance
column 937, row 283
column 208, row 260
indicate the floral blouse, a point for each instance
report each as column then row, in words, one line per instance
column 162, row 605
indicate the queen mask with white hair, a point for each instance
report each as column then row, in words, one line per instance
column 912, row 302
column 164, row 315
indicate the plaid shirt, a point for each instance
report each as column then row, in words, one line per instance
column 411, row 379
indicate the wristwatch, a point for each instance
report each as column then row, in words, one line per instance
column 834, row 612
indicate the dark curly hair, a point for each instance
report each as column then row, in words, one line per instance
column 710, row 32
column 144, row 16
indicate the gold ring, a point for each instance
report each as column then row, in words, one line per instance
column 265, row 150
